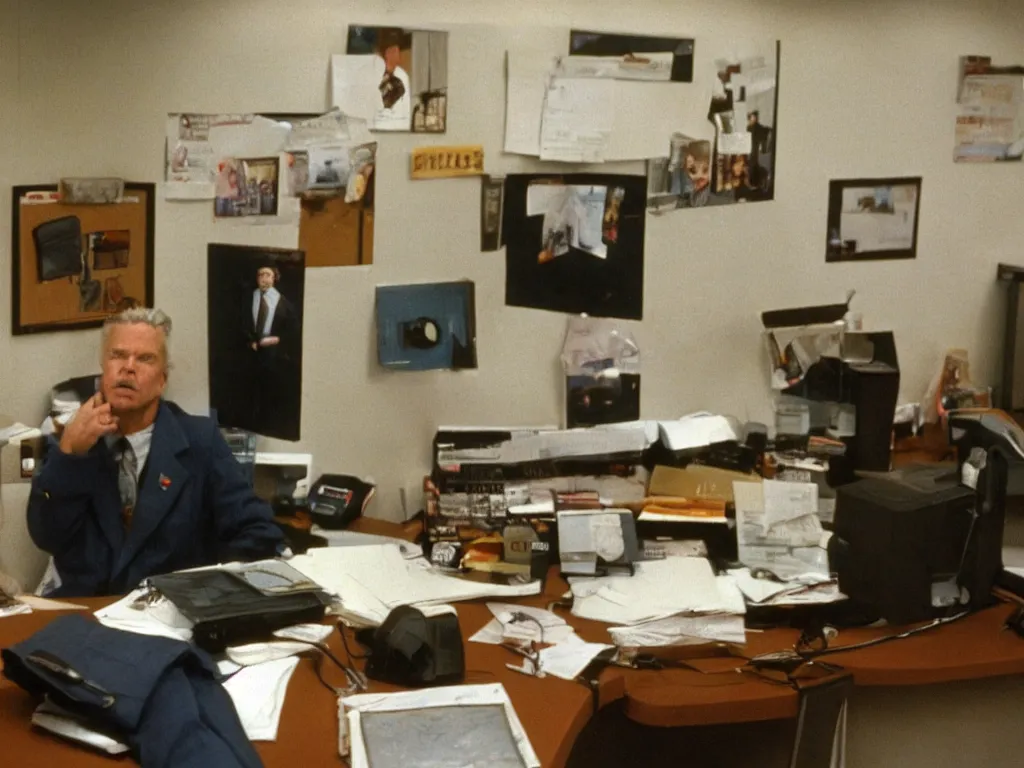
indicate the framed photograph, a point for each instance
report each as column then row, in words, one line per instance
column 73, row 265
column 870, row 219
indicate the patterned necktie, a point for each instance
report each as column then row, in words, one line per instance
column 261, row 315
column 127, row 480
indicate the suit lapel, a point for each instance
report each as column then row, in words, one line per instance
column 164, row 481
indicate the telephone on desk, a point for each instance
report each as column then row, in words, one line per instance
column 336, row 500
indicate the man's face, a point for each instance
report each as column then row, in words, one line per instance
column 698, row 170
column 391, row 57
column 265, row 278
column 134, row 367
column 751, row 120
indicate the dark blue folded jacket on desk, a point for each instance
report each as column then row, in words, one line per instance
column 161, row 696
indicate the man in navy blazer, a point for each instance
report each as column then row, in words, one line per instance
column 135, row 486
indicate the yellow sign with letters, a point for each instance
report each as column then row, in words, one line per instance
column 444, row 162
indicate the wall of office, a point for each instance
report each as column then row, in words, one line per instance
column 866, row 89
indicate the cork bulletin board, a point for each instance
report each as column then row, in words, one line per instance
column 73, row 265
column 334, row 233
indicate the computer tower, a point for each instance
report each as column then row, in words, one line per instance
column 873, row 388
column 894, row 537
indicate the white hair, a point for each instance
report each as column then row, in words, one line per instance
column 155, row 318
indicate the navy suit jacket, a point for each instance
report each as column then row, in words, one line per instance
column 169, row 705
column 194, row 508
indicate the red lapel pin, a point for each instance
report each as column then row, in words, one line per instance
column 165, row 482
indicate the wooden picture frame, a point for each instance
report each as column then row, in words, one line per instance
column 50, row 291
column 873, row 219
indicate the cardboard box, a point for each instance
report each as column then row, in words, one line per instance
column 697, row 482
column 797, row 338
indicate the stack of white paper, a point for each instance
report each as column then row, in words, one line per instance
column 553, row 444
column 57, row 720
column 696, row 431
column 370, row 581
column 659, row 588
column 666, row 602
column 14, row 609
column 292, row 641
column 778, row 528
column 803, row 588
column 568, row 660
column 539, row 626
column 682, row 629
column 347, row 538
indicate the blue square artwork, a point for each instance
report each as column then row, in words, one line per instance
column 426, row 326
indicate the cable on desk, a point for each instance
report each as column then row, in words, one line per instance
column 885, row 638
column 518, row 617
column 357, row 680
column 790, row 660
column 344, row 642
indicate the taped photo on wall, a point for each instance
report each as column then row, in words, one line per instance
column 327, row 167
column 492, row 189
column 255, row 318
column 574, row 243
column 247, row 187
column 573, row 217
column 681, row 180
column 601, row 362
column 401, row 79
column 109, row 249
column 633, row 57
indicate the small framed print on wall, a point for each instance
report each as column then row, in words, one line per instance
column 871, row 219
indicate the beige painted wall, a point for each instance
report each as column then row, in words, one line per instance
column 866, row 89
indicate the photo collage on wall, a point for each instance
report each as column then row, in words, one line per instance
column 732, row 160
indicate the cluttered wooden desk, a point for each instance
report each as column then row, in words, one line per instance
column 710, row 688
column 707, row 691
column 554, row 712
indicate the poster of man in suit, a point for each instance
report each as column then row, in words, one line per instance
column 255, row 306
